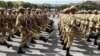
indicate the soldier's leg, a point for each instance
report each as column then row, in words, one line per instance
column 99, row 46
column 41, row 37
column 13, row 33
column 63, row 35
column 16, row 32
column 65, row 41
column 33, row 37
column 62, row 38
column 3, row 41
column 90, row 31
column 23, row 44
column 9, row 36
column 69, row 44
column 96, row 38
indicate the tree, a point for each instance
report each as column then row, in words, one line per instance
column 9, row 4
column 63, row 7
column 25, row 5
column 2, row 4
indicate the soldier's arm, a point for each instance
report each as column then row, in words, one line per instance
column 18, row 22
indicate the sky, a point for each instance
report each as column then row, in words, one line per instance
column 50, row 1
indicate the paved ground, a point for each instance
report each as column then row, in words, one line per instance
column 52, row 47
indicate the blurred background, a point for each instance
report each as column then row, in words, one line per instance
column 51, row 4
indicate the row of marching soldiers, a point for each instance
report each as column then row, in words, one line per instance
column 26, row 23
column 82, row 24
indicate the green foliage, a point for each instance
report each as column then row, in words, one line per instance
column 11, row 4
column 63, row 7
column 2, row 4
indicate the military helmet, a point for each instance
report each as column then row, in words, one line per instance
column 20, row 8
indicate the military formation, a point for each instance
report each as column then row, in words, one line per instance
column 25, row 23
column 28, row 23
column 78, row 24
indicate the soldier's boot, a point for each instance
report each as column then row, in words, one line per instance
column 6, row 44
column 64, row 47
column 51, row 23
column 62, row 43
column 99, row 46
column 43, row 39
column 20, row 50
column 32, row 41
column 18, row 33
column 26, row 46
column 13, row 36
column 95, row 42
column 95, row 39
column 67, row 52
column 88, row 40
column 9, row 39
column 49, row 30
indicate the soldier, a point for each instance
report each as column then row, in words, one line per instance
column 11, row 23
column 3, row 28
column 15, row 14
column 96, row 33
column 72, row 30
column 90, row 25
column 32, row 24
column 38, row 24
column 22, row 23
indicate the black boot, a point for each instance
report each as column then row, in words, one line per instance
column 6, row 44
column 62, row 43
column 18, row 33
column 13, row 36
column 96, row 38
column 59, row 33
column 99, row 46
column 88, row 40
column 9, row 39
column 95, row 42
column 50, row 30
column 67, row 52
column 43, row 39
column 26, row 46
column 47, row 30
column 20, row 51
column 64, row 47
column 33, row 41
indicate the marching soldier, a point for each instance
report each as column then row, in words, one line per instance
column 71, row 29
column 11, row 23
column 22, row 23
column 3, row 28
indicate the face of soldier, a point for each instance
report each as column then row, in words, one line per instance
column 14, row 12
column 90, row 12
column 10, row 12
column 22, row 11
column 29, row 11
column 95, row 13
column 73, row 11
